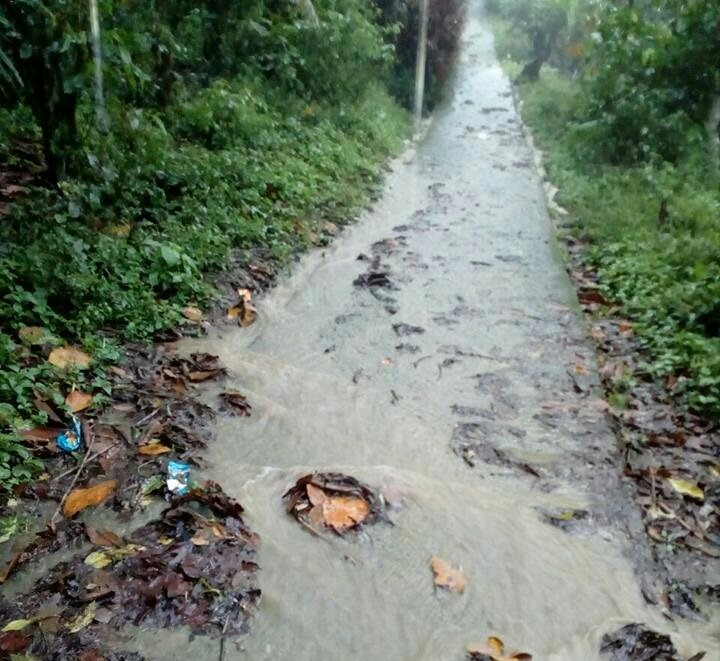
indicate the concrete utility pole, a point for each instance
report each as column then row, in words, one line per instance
column 421, row 60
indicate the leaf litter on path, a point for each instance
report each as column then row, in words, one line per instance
column 161, row 577
column 332, row 500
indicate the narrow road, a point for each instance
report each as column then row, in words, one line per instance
column 462, row 383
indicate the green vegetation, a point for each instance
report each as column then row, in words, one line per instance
column 628, row 113
column 220, row 126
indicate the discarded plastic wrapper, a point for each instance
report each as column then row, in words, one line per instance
column 71, row 439
column 178, row 479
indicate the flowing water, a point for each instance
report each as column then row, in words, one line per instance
column 500, row 365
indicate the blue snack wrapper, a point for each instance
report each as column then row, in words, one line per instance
column 178, row 478
column 71, row 439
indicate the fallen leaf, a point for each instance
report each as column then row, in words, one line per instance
column 494, row 649
column 14, row 641
column 153, row 448
column 203, row 375
column 16, row 625
column 591, row 297
column 687, row 488
column 315, row 494
column 82, row 619
column 119, row 372
column 98, row 559
column 78, row 401
column 63, row 357
column 208, row 535
column 340, row 512
column 101, row 537
column 42, row 434
column 193, row 313
column 79, row 499
column 446, row 576
column 33, row 335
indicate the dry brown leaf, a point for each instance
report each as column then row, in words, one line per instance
column 152, row 449
column 446, row 576
column 341, row 512
column 193, row 313
column 78, row 401
column 63, row 357
column 101, row 537
column 79, row 499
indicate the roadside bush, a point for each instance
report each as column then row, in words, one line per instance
column 226, row 126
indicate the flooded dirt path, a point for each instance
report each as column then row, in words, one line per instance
column 434, row 351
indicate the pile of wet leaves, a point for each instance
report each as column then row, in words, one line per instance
column 194, row 566
column 636, row 642
column 333, row 501
column 378, row 275
column 672, row 456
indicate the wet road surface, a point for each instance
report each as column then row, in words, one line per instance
column 434, row 351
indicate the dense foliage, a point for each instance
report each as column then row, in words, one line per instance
column 631, row 131
column 206, row 128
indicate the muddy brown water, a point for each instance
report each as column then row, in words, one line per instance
column 498, row 365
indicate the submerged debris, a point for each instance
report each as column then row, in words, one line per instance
column 447, row 576
column 236, row 403
column 636, row 642
column 332, row 500
column 403, row 329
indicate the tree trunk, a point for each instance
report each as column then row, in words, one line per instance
column 712, row 124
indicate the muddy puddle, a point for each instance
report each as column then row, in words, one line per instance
column 434, row 352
